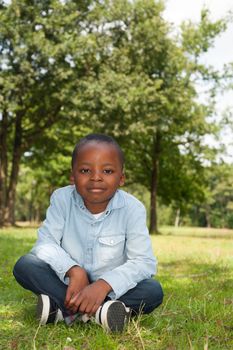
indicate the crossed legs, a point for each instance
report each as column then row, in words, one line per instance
column 35, row 275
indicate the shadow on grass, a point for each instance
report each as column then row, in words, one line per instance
column 211, row 235
column 194, row 271
column 191, row 266
column 195, row 279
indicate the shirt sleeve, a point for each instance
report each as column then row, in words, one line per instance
column 140, row 262
column 48, row 246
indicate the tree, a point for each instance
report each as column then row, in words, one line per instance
column 216, row 210
column 145, row 95
column 37, row 79
column 113, row 67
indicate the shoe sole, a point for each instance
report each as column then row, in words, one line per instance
column 114, row 316
column 42, row 309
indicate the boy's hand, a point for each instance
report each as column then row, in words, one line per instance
column 90, row 298
column 78, row 280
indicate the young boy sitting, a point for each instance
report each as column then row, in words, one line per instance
column 93, row 257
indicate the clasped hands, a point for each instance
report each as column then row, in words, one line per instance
column 83, row 296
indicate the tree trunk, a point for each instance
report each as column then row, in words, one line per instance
column 17, row 153
column 154, row 185
column 177, row 220
column 3, row 166
column 207, row 216
column 37, row 216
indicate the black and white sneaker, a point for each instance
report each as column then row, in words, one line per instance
column 47, row 311
column 113, row 316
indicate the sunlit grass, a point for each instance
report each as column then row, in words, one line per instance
column 195, row 269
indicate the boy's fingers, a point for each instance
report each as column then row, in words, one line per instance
column 69, row 295
column 74, row 302
column 67, row 298
column 81, row 302
column 83, row 306
column 93, row 310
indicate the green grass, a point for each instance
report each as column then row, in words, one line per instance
column 195, row 269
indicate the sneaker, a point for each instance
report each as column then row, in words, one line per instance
column 113, row 316
column 47, row 311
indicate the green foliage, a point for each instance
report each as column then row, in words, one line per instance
column 194, row 38
column 40, row 69
column 217, row 210
column 38, row 42
column 70, row 68
column 145, row 89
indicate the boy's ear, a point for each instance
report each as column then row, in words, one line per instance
column 71, row 178
column 122, row 180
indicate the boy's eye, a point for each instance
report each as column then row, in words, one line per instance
column 84, row 171
column 108, row 171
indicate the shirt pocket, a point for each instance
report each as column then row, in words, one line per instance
column 111, row 247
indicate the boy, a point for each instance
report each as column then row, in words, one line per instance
column 93, row 257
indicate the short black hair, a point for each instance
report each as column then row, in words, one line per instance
column 100, row 138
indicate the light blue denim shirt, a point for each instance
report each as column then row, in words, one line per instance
column 116, row 247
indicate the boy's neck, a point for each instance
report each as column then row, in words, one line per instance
column 96, row 208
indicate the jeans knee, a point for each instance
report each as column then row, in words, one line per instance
column 19, row 266
column 24, row 264
column 159, row 292
column 155, row 296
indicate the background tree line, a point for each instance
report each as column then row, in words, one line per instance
column 74, row 67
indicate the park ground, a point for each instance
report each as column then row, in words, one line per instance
column 195, row 269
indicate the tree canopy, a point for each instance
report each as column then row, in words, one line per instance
column 69, row 68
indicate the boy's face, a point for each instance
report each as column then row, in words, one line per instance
column 97, row 173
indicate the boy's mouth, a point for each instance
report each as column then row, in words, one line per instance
column 96, row 190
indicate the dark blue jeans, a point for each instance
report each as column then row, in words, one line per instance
column 35, row 275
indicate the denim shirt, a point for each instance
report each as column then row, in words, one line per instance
column 116, row 247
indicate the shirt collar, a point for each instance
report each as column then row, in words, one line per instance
column 117, row 201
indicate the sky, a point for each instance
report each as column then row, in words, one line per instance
column 179, row 10
column 222, row 52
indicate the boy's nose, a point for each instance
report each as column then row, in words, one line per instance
column 96, row 176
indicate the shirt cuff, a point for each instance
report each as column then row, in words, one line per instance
column 61, row 271
column 56, row 258
column 118, row 288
